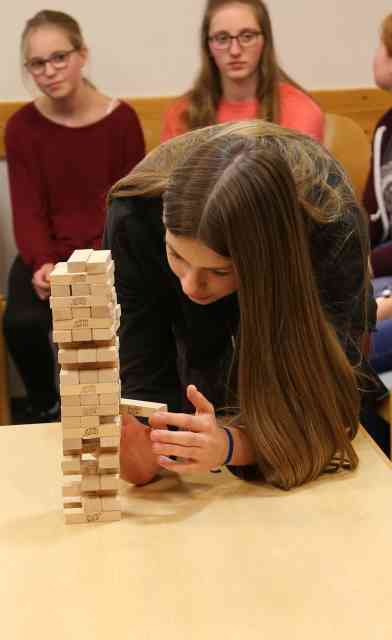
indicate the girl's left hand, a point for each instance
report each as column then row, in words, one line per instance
column 200, row 443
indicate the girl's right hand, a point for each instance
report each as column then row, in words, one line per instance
column 138, row 462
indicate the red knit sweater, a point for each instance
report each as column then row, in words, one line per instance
column 59, row 177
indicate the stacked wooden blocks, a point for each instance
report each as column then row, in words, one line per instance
column 85, row 323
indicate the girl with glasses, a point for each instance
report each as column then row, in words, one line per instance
column 64, row 150
column 240, row 77
column 241, row 269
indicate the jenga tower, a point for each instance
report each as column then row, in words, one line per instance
column 85, row 323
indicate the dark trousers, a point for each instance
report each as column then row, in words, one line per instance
column 27, row 324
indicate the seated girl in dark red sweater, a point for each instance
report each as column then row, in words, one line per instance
column 63, row 150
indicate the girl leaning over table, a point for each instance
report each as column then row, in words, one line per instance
column 241, row 269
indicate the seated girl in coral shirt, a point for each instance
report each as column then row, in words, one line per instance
column 240, row 78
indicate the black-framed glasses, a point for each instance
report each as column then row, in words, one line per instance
column 58, row 60
column 222, row 40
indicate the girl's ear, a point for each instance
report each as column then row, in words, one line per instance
column 84, row 54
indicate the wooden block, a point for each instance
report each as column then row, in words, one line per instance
column 79, row 335
column 88, row 433
column 89, row 410
column 92, row 504
column 107, row 430
column 109, row 516
column 89, row 376
column 110, row 503
column 71, row 465
column 81, row 313
column 81, row 289
column 77, row 261
column 102, row 278
column 70, row 422
column 109, row 483
column 103, row 388
column 75, row 516
column 72, row 432
column 101, row 289
column 107, row 410
column 60, row 290
column 70, row 401
column 61, row 276
column 104, row 311
column 72, row 445
column 107, row 354
column 99, row 261
column 60, row 314
column 68, row 356
column 69, row 377
column 108, row 375
column 105, row 334
column 110, row 442
column 87, row 355
column 80, row 301
column 108, row 398
column 62, row 336
column 105, row 420
column 59, row 272
column 73, row 489
column 89, row 421
column 71, row 411
column 140, row 407
column 72, row 502
column 89, row 399
column 90, row 483
column 108, row 461
column 89, row 467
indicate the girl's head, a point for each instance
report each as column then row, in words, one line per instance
column 251, row 54
column 240, row 213
column 233, row 209
column 382, row 64
column 54, row 52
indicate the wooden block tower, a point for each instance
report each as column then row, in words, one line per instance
column 85, row 323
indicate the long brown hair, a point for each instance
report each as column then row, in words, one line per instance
column 297, row 392
column 206, row 93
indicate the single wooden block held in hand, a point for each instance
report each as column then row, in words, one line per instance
column 140, row 407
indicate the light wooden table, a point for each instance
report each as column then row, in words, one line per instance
column 199, row 558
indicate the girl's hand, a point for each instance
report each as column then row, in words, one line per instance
column 138, row 462
column 41, row 282
column 199, row 442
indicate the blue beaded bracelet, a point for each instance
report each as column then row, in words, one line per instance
column 229, row 450
column 231, row 446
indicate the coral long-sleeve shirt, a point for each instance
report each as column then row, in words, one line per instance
column 297, row 111
column 59, row 177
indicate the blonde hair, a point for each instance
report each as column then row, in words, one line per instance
column 386, row 33
column 255, row 192
column 55, row 19
column 58, row 20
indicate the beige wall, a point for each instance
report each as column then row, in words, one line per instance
column 150, row 48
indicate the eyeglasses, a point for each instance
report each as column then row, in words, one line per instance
column 58, row 60
column 222, row 40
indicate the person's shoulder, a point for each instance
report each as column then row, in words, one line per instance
column 178, row 106
column 289, row 93
column 139, row 216
column 123, row 112
column 23, row 118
